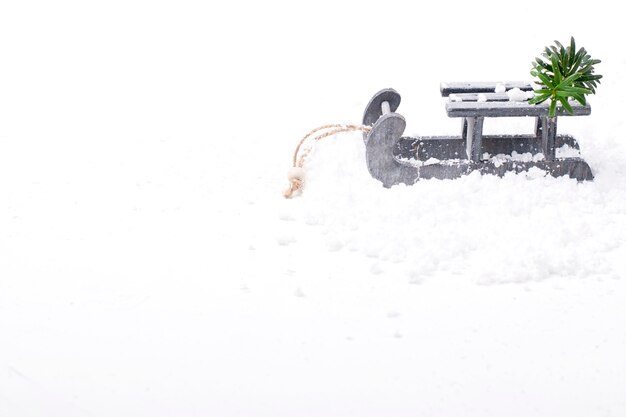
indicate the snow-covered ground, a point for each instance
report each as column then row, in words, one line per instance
column 149, row 265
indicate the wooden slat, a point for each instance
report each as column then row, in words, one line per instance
column 508, row 109
column 480, row 87
column 474, row 96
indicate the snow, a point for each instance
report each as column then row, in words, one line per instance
column 149, row 265
column 431, row 161
column 500, row 88
column 499, row 159
column 515, row 94
column 455, row 98
column 482, row 98
column 567, row 151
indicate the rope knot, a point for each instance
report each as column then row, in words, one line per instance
column 295, row 175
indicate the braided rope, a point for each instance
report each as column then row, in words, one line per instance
column 296, row 173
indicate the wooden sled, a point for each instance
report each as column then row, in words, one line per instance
column 394, row 159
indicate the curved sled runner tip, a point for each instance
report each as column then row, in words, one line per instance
column 379, row 145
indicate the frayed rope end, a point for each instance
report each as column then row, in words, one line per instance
column 295, row 175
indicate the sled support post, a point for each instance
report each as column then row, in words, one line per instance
column 547, row 129
column 474, row 137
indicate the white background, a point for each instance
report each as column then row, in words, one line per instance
column 150, row 267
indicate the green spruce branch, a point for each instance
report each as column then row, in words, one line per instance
column 564, row 73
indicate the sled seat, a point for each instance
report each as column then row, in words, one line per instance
column 473, row 101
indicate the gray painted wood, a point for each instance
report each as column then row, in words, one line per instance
column 379, row 145
column 474, row 96
column 575, row 168
column 374, row 109
column 538, row 126
column 453, row 147
column 509, row 109
column 473, row 138
column 425, row 147
column 548, row 137
column 480, row 87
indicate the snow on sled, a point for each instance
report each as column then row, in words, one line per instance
column 394, row 159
